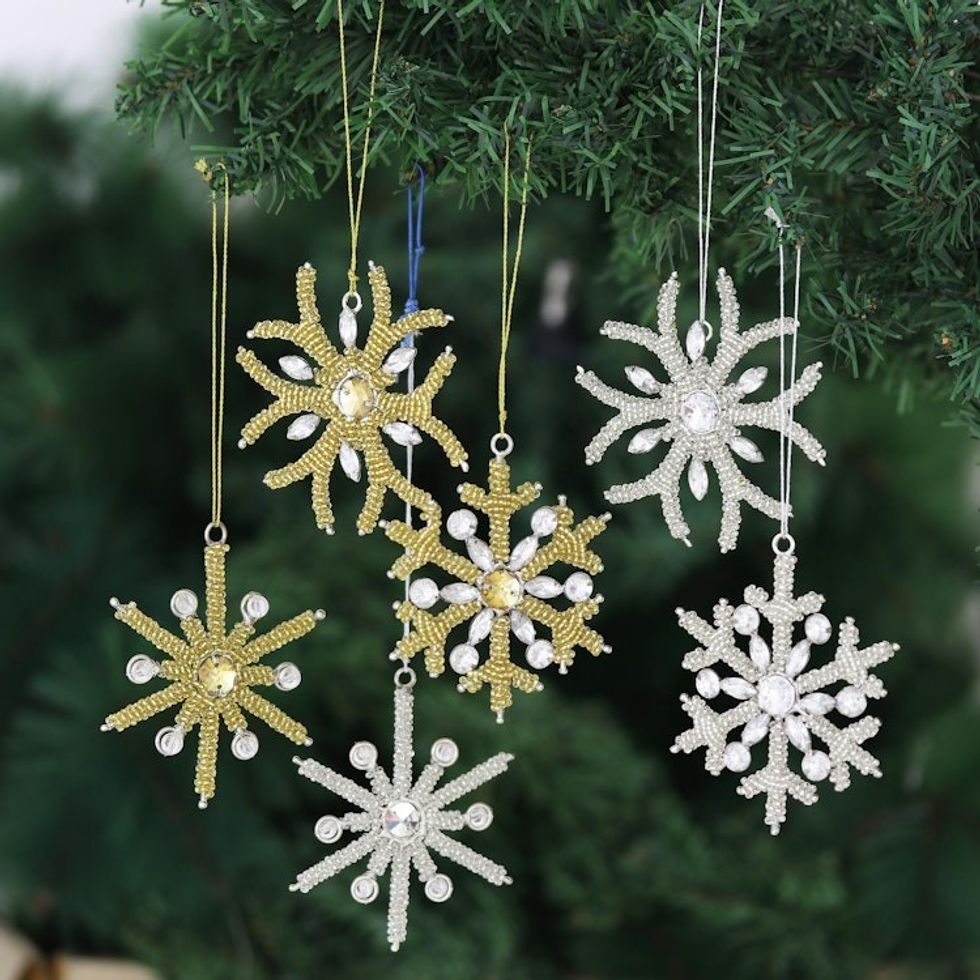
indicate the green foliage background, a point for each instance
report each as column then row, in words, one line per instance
column 628, row 862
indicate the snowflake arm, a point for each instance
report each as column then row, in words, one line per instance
column 499, row 590
column 347, row 393
column 212, row 674
column 701, row 410
column 778, row 699
column 402, row 823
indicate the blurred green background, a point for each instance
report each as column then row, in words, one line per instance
column 628, row 862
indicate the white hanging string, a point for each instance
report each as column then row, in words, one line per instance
column 704, row 199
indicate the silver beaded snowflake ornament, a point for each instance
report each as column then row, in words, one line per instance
column 777, row 698
column 701, row 414
column 401, row 822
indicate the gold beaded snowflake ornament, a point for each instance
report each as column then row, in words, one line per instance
column 212, row 672
column 701, row 414
column 346, row 391
column 500, row 592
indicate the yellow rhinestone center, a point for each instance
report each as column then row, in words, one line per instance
column 355, row 398
column 217, row 675
column 501, row 589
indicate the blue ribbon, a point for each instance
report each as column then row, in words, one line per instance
column 415, row 246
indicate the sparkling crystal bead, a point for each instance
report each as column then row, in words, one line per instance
column 461, row 524
column 170, row 740
column 296, row 367
column 328, row 829
column 350, row 462
column 480, row 554
column 797, row 732
column 522, row 626
column 398, row 360
column 738, row 688
column 695, row 341
column 759, row 651
column 244, row 745
column 501, row 589
column 708, row 683
column 141, row 669
column 544, row 587
column 544, row 521
column 540, row 654
column 816, row 765
column 818, row 628
column 480, row 625
column 818, row 704
column 777, row 695
column 254, row 607
column 302, row 426
column 347, row 323
column 745, row 620
column 438, row 888
column 851, row 702
column 700, row 412
column 355, row 398
column 423, row 593
column 217, row 675
column 644, row 441
column 798, row 658
column 401, row 819
column 579, row 586
column 751, row 380
column 755, row 730
column 745, row 448
column 642, row 379
column 363, row 755
column 478, row 816
column 364, row 889
column 402, row 433
column 697, row 478
column 463, row 658
column 444, row 752
column 183, row 603
column 737, row 757
column 288, row 676
column 459, row 593
column 523, row 552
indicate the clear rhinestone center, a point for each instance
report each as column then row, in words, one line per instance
column 401, row 819
column 700, row 412
column 217, row 675
column 355, row 398
column 777, row 695
column 501, row 589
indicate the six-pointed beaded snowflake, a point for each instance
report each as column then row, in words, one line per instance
column 499, row 590
column 778, row 698
column 347, row 392
column 401, row 822
column 702, row 414
column 212, row 672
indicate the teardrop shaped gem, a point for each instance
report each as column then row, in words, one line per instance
column 522, row 626
column 644, row 441
column 350, row 462
column 348, row 327
column 759, row 651
column 399, row 359
column 402, row 433
column 302, row 426
column 641, row 379
column 480, row 554
column 459, row 593
column 544, row 587
column 480, row 625
column 296, row 367
column 797, row 733
column 798, row 658
column 523, row 552
column 696, row 340
column 751, row 380
column 738, row 688
column 697, row 478
column 745, row 448
column 756, row 729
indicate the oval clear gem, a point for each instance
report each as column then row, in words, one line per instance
column 461, row 524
